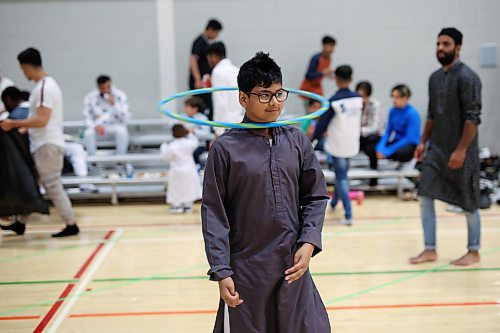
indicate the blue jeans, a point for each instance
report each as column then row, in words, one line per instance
column 428, row 214
column 341, row 166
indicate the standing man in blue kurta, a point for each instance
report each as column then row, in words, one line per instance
column 450, row 167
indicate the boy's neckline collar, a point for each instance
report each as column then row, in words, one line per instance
column 260, row 131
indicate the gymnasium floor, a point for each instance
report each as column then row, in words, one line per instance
column 135, row 268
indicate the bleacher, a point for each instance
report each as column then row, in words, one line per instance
column 150, row 169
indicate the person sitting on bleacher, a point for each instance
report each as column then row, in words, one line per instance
column 402, row 134
column 184, row 185
column 371, row 125
column 106, row 111
column 193, row 108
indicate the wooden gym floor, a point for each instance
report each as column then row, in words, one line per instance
column 135, row 268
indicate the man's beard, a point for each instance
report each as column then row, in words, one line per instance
column 447, row 59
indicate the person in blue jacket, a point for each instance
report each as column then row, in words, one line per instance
column 402, row 133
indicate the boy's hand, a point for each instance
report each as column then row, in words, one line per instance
column 228, row 292
column 301, row 263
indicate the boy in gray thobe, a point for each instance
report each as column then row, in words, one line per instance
column 264, row 200
column 450, row 168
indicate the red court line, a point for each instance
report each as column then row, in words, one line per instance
column 330, row 308
column 402, row 306
column 70, row 286
column 19, row 318
column 195, row 312
column 53, row 309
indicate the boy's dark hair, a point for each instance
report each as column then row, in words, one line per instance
column 312, row 101
column 217, row 49
column 25, row 95
column 195, row 102
column 402, row 89
column 344, row 73
column 179, row 131
column 260, row 71
column 365, row 86
column 214, row 25
column 329, row 40
column 30, row 56
column 13, row 93
column 103, row 79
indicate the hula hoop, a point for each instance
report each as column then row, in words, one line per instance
column 325, row 105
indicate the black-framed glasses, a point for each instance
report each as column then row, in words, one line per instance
column 266, row 97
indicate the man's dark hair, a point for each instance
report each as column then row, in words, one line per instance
column 214, row 25
column 402, row 89
column 30, row 56
column 217, row 49
column 179, row 131
column 260, row 71
column 195, row 102
column 344, row 73
column 13, row 93
column 103, row 79
column 454, row 33
column 365, row 86
column 329, row 40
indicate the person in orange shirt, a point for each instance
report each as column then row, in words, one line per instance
column 319, row 67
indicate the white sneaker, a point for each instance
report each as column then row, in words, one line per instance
column 345, row 221
column 454, row 209
column 176, row 210
column 89, row 188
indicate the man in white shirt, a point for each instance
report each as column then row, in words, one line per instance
column 5, row 82
column 106, row 112
column 226, row 104
column 46, row 138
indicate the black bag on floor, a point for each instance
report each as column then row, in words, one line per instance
column 19, row 192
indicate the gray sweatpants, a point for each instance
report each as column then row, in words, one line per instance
column 49, row 164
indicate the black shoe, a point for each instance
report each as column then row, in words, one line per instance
column 373, row 182
column 18, row 227
column 70, row 230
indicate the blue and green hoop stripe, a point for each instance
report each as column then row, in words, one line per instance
column 325, row 105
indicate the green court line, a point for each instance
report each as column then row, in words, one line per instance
column 399, row 280
column 98, row 290
column 204, row 277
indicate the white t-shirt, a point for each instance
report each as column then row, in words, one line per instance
column 226, row 104
column 47, row 93
column 5, row 82
column 345, row 128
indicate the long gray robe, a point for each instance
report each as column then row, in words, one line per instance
column 454, row 98
column 261, row 201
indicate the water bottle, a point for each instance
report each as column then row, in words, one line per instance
column 129, row 170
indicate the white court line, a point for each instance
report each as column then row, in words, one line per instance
column 83, row 282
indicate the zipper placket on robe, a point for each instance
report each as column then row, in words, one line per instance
column 275, row 181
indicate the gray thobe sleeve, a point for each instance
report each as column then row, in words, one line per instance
column 215, row 224
column 431, row 107
column 470, row 97
column 313, row 197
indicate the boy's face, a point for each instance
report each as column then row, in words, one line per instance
column 328, row 48
column 398, row 100
column 258, row 111
column 190, row 110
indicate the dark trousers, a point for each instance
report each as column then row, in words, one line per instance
column 367, row 145
column 403, row 154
